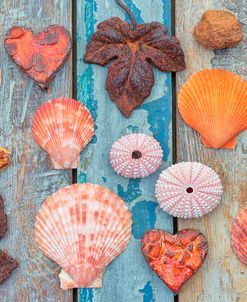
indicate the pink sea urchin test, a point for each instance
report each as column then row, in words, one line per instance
column 136, row 155
column 188, row 190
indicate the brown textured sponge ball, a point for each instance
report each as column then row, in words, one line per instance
column 218, row 29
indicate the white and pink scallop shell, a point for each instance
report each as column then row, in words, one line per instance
column 83, row 227
column 188, row 190
column 63, row 127
column 136, row 155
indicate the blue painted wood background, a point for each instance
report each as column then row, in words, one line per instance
column 128, row 278
column 31, row 177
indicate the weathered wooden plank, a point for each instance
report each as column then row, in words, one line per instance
column 30, row 178
column 223, row 277
column 128, row 278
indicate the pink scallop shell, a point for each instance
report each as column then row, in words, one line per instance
column 239, row 236
column 63, row 127
column 188, row 190
column 136, row 155
column 83, row 227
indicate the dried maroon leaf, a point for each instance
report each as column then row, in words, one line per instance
column 130, row 77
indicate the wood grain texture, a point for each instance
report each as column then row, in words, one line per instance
column 128, row 278
column 30, row 178
column 222, row 277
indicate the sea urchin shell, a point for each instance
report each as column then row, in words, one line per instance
column 239, row 236
column 188, row 190
column 136, row 155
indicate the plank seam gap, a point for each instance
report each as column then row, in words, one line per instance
column 74, row 66
column 174, row 113
column 74, row 92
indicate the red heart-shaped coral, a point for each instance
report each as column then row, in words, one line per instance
column 39, row 55
column 174, row 258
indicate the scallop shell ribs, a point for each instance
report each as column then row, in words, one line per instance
column 63, row 127
column 83, row 227
column 239, row 236
column 214, row 103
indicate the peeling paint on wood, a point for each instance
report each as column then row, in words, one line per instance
column 30, row 178
column 128, row 278
column 222, row 277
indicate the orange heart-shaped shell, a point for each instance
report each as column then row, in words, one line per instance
column 63, row 127
column 214, row 103
column 239, row 236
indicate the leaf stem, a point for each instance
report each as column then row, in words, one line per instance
column 128, row 11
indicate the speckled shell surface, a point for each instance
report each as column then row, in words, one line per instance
column 63, row 127
column 83, row 227
column 188, row 190
column 136, row 155
column 214, row 103
column 239, row 236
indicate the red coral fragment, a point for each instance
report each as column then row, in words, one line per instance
column 3, row 219
column 39, row 55
column 174, row 258
column 130, row 77
column 7, row 265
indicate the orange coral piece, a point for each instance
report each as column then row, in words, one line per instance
column 4, row 158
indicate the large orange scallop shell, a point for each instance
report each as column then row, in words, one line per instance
column 239, row 236
column 63, row 127
column 83, row 227
column 214, row 103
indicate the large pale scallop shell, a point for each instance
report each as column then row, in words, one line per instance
column 63, row 127
column 239, row 236
column 83, row 227
column 188, row 190
column 214, row 103
column 136, row 155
